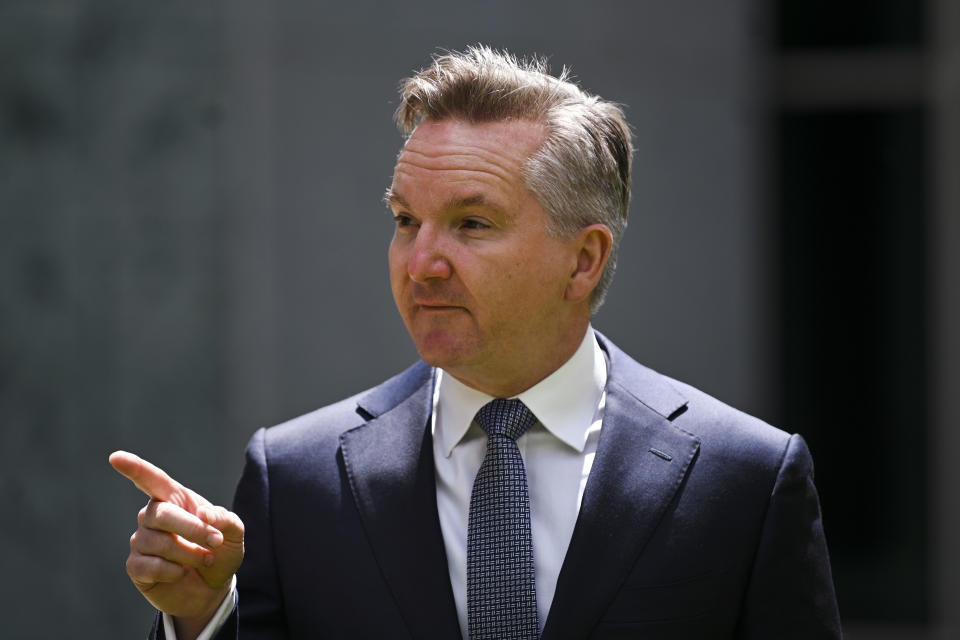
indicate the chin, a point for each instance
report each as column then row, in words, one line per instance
column 440, row 349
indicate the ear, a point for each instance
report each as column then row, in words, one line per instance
column 593, row 245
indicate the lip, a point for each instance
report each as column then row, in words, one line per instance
column 423, row 300
column 437, row 307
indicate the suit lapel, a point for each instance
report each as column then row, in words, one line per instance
column 640, row 464
column 389, row 461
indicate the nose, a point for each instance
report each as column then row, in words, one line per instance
column 427, row 259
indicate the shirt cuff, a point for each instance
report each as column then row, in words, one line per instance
column 217, row 621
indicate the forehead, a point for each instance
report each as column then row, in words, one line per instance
column 488, row 154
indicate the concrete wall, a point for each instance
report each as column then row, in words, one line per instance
column 192, row 242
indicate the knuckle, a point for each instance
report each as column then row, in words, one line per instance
column 149, row 512
column 157, row 513
column 144, row 543
column 143, row 569
column 131, row 565
column 161, row 545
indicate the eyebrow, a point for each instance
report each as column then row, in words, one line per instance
column 392, row 198
column 476, row 200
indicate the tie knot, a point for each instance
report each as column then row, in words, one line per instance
column 502, row 417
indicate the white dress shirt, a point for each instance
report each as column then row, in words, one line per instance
column 218, row 620
column 557, row 454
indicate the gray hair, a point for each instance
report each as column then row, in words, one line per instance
column 580, row 174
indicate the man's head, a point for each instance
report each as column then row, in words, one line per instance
column 507, row 196
column 581, row 171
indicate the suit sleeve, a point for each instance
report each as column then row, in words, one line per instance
column 791, row 594
column 260, row 612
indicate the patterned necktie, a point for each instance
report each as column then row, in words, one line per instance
column 501, row 594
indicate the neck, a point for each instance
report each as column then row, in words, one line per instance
column 510, row 379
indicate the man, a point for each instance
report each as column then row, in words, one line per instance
column 526, row 477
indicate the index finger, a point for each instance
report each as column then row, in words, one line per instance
column 149, row 478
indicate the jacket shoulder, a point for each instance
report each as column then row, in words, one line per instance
column 723, row 431
column 324, row 426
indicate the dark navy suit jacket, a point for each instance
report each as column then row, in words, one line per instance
column 697, row 521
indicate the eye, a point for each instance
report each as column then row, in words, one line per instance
column 475, row 224
column 403, row 220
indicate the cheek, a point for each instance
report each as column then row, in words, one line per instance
column 395, row 261
column 519, row 289
column 397, row 268
column 543, row 277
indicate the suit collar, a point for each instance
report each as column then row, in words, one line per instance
column 388, row 395
column 646, row 386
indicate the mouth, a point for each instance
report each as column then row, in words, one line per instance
column 434, row 300
column 437, row 307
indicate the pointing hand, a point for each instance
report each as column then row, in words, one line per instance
column 185, row 550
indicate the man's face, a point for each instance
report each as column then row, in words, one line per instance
column 477, row 278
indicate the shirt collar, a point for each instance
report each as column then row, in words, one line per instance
column 565, row 402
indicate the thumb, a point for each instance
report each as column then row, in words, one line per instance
column 226, row 521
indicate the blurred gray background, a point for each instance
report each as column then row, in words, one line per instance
column 192, row 245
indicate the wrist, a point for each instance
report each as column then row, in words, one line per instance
column 191, row 627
